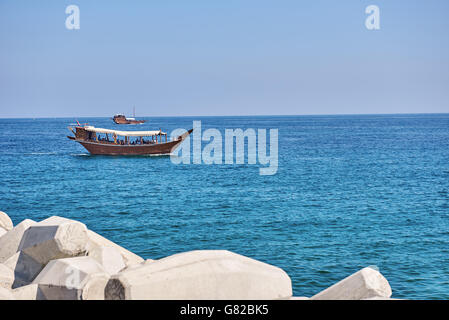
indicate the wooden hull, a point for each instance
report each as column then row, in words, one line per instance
column 126, row 121
column 112, row 149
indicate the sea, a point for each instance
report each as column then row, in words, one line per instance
column 350, row 191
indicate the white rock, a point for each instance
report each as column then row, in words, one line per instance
column 28, row 292
column 80, row 278
column 6, row 294
column 9, row 242
column 363, row 284
column 2, row 231
column 207, row 274
column 96, row 240
column 109, row 257
column 5, row 221
column 54, row 238
column 94, row 287
column 24, row 267
column 6, row 277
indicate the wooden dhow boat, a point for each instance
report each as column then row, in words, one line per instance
column 99, row 141
column 122, row 119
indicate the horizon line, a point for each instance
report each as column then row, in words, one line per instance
column 241, row 115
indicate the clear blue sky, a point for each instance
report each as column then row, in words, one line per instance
column 224, row 57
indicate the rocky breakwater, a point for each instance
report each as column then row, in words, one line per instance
column 59, row 258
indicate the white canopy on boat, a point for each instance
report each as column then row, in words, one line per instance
column 125, row 133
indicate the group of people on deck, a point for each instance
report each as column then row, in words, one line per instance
column 143, row 141
column 138, row 141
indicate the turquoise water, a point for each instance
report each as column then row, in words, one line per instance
column 351, row 191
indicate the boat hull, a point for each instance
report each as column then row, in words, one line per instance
column 126, row 121
column 112, row 149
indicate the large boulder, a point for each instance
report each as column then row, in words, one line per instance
column 5, row 221
column 6, row 277
column 364, row 284
column 10, row 242
column 54, row 238
column 80, row 278
column 24, row 268
column 95, row 241
column 109, row 257
column 28, row 292
column 2, row 231
column 207, row 274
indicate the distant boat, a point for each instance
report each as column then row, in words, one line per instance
column 101, row 141
column 121, row 119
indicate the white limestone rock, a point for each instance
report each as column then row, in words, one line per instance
column 25, row 269
column 2, row 231
column 109, row 257
column 6, row 294
column 6, row 277
column 28, row 292
column 96, row 240
column 205, row 274
column 54, row 238
column 363, row 284
column 79, row 278
column 5, row 221
column 10, row 242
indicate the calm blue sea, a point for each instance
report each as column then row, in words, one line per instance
column 351, row 191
